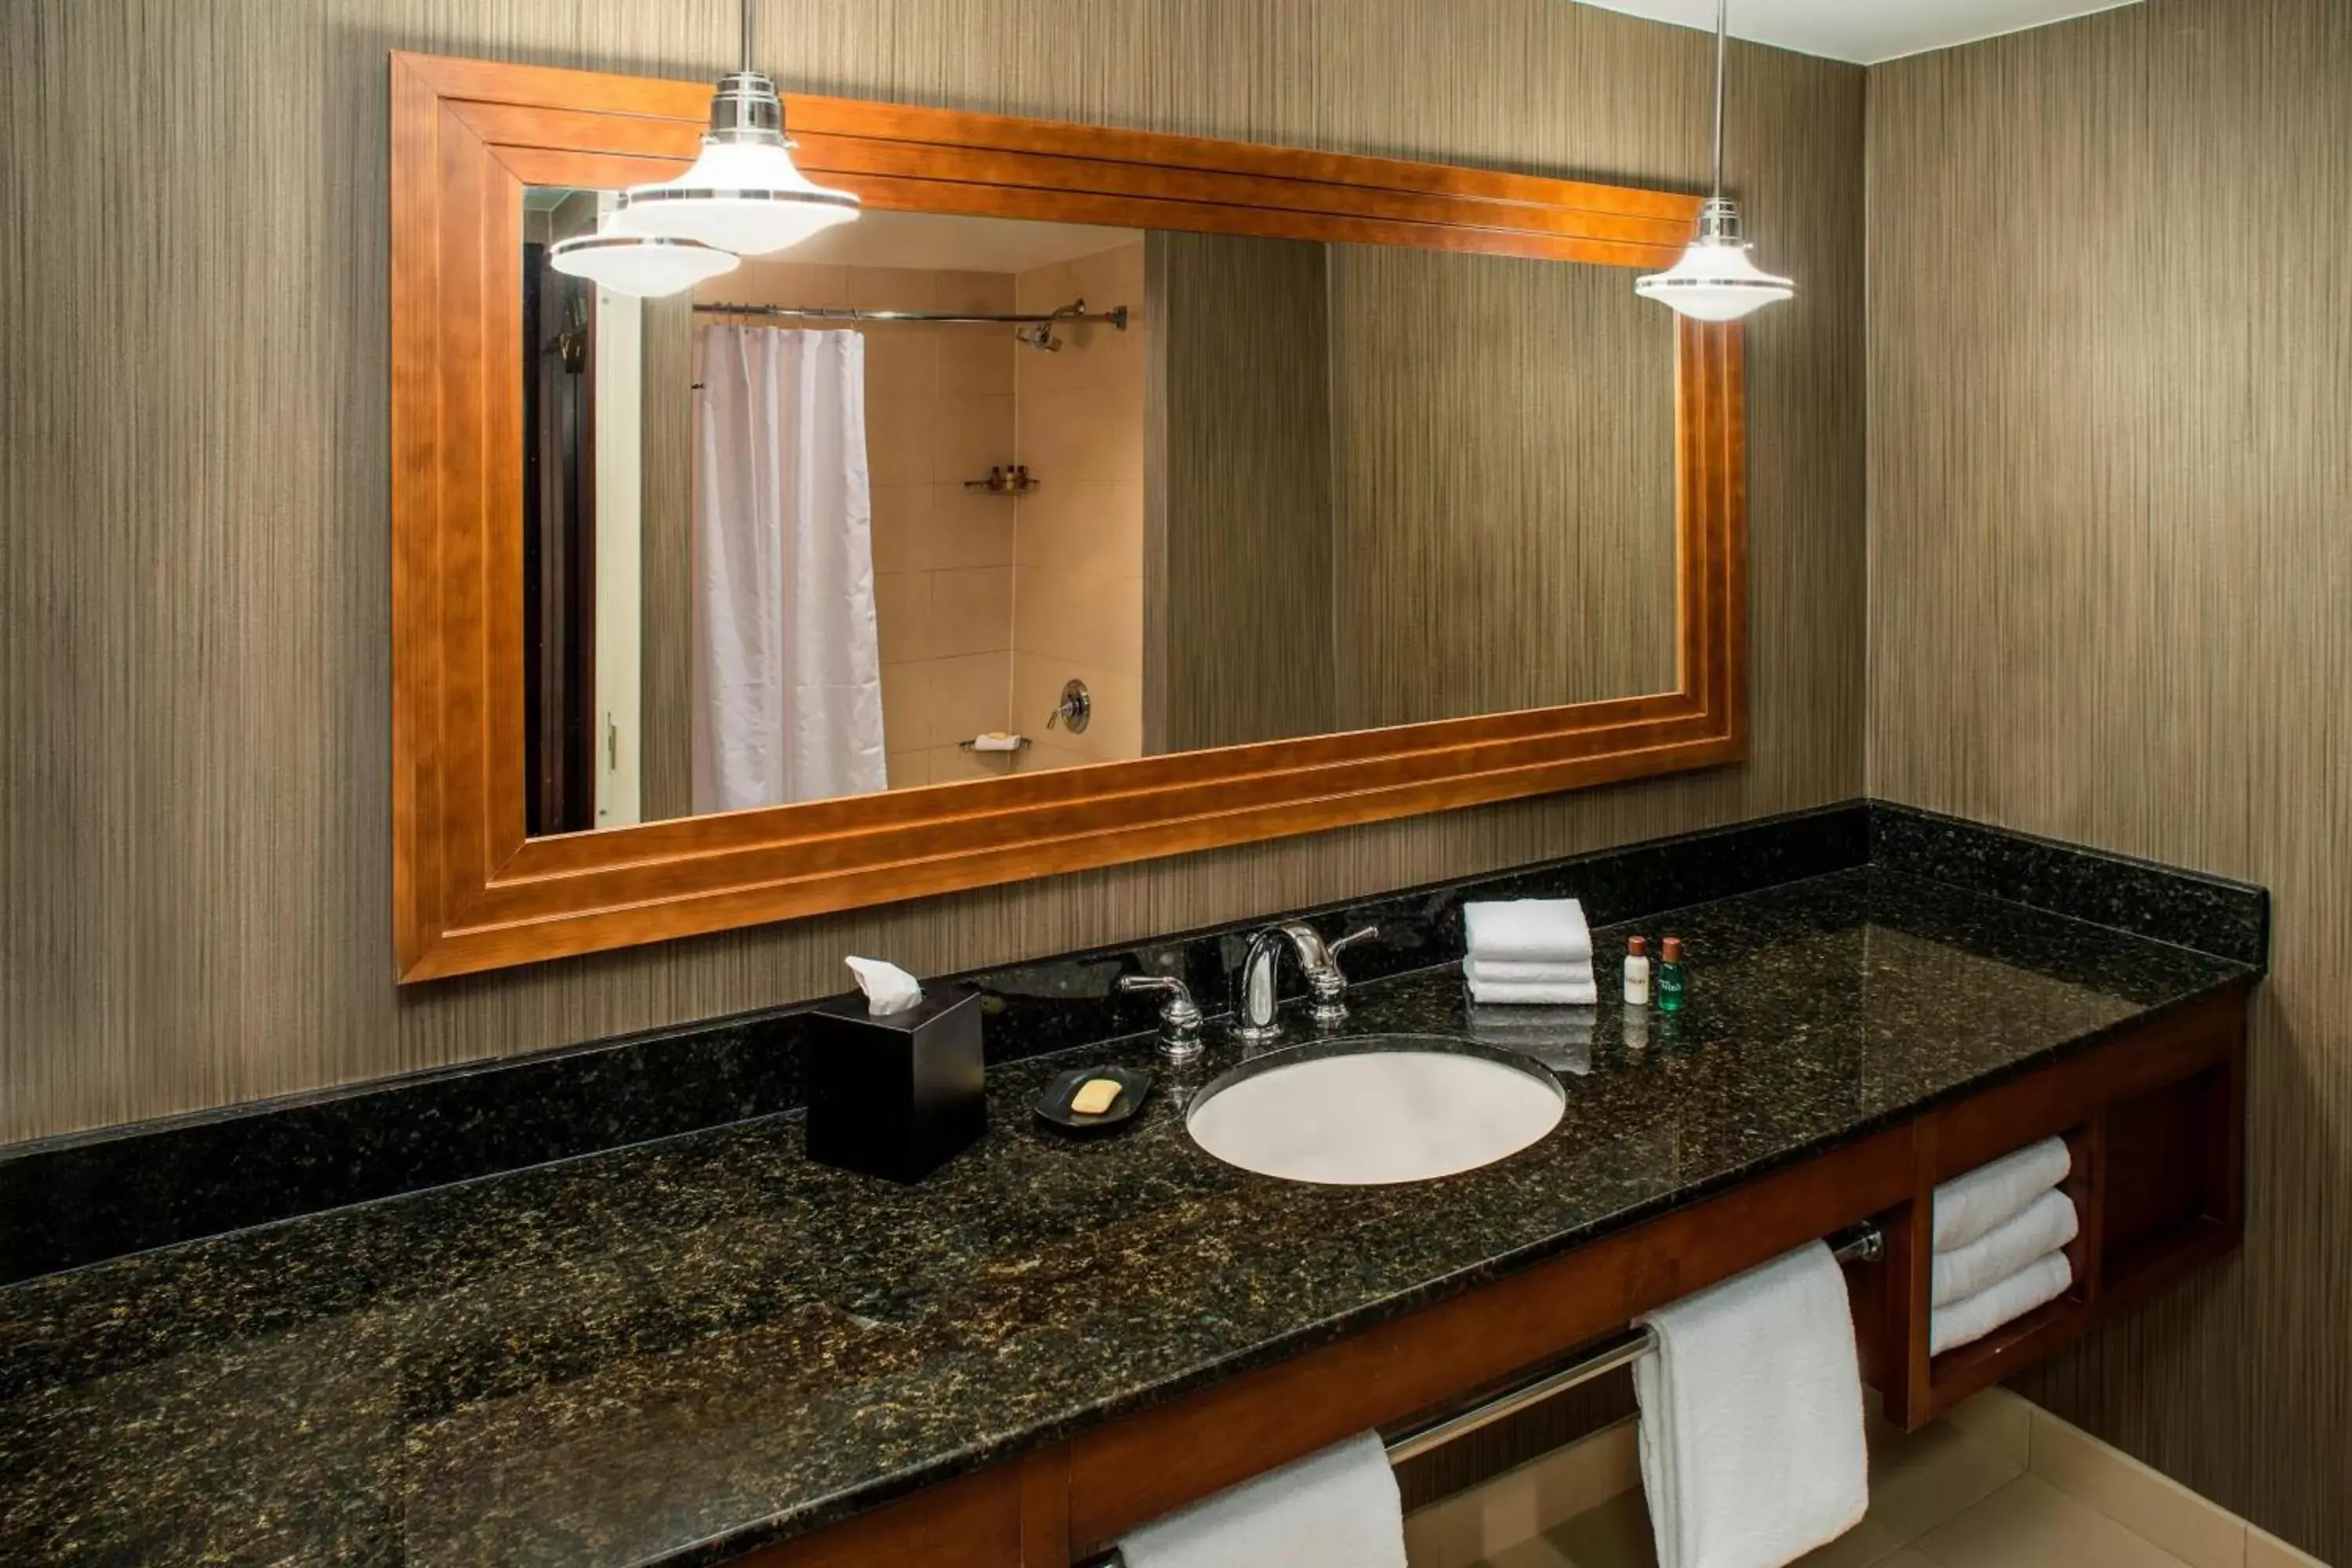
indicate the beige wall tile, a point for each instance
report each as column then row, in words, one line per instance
column 1043, row 757
column 1997, row 1420
column 2264, row 1550
column 906, row 770
column 906, row 725
column 974, row 291
column 1043, row 289
column 1086, row 619
column 758, row 282
column 971, row 611
column 969, row 528
column 978, row 360
column 893, row 289
column 965, row 696
column 902, row 614
column 2030, row 1524
column 1094, row 527
column 902, row 361
column 1115, row 730
column 953, row 764
column 2142, row 1501
column 1110, row 278
column 1086, row 433
column 966, row 435
column 898, row 440
column 902, row 517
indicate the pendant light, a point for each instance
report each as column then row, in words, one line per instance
column 617, row 257
column 1715, row 280
column 743, row 194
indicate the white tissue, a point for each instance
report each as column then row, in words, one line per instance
column 887, row 987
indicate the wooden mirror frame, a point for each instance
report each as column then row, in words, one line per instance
column 472, row 891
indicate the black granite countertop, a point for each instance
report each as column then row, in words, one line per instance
column 682, row 1349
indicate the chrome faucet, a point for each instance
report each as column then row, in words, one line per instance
column 1255, row 986
column 1179, row 1019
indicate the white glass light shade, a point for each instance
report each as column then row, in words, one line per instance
column 746, row 196
column 1714, row 281
column 645, row 265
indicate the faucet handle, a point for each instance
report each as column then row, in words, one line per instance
column 1180, row 1016
column 1328, row 985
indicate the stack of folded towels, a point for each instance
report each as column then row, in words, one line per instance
column 1528, row 952
column 2001, row 1232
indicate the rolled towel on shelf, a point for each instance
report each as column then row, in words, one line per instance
column 1338, row 1509
column 1556, row 993
column 1751, row 1437
column 1971, row 1318
column 1527, row 930
column 2048, row 1223
column 1970, row 1206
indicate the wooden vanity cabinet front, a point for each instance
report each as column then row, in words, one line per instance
column 2155, row 1117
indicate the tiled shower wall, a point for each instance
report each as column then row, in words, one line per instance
column 1077, row 555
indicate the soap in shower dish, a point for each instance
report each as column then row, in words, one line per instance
column 1095, row 1096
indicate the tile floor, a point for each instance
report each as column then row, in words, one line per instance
column 1941, row 1498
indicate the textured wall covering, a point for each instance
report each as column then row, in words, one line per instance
column 194, row 799
column 2111, row 468
column 1495, row 540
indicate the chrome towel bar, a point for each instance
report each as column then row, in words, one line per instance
column 1862, row 1243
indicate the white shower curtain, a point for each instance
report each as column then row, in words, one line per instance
column 787, row 679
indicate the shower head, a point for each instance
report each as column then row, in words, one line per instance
column 1040, row 336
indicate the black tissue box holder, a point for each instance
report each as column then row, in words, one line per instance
column 896, row 1094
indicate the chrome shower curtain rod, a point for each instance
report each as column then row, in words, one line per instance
column 1115, row 319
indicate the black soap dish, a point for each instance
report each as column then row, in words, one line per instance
column 1054, row 1105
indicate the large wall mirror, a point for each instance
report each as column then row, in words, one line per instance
column 1095, row 494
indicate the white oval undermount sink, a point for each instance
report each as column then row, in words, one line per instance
column 1374, row 1110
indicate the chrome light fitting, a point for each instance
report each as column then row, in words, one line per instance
column 1715, row 280
column 743, row 196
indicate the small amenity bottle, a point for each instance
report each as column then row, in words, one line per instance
column 1637, row 972
column 1670, row 975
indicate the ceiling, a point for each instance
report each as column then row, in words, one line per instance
column 942, row 242
column 1865, row 31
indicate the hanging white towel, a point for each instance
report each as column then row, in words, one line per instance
column 1555, row 993
column 1338, row 1509
column 1751, row 1434
column 2048, row 1223
column 1527, row 930
column 1967, row 1207
column 1971, row 1318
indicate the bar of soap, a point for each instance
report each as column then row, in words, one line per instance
column 1095, row 1096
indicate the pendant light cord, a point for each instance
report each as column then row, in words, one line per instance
column 747, row 70
column 1721, row 8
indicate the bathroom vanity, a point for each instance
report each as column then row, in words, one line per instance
column 697, row 1348
column 600, row 1308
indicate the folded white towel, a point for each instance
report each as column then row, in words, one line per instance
column 1551, row 993
column 2048, row 1223
column 1527, row 930
column 1505, row 973
column 1338, row 1509
column 1967, row 1207
column 1971, row 1318
column 1752, row 1418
